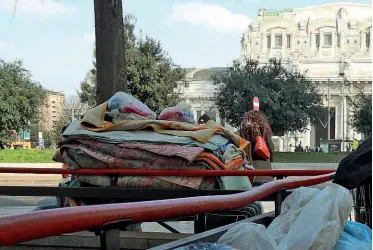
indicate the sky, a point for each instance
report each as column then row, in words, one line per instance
column 55, row 38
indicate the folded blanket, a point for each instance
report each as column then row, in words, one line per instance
column 149, row 182
column 217, row 164
column 187, row 152
column 231, row 153
column 84, row 156
column 94, row 121
column 75, row 131
column 162, row 182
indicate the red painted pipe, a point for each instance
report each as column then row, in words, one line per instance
column 41, row 224
column 153, row 172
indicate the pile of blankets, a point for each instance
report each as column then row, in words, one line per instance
column 122, row 137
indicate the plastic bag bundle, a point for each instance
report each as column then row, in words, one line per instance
column 248, row 236
column 356, row 236
column 290, row 210
column 180, row 113
column 318, row 224
column 126, row 103
column 206, row 246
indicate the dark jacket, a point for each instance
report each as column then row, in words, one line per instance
column 355, row 169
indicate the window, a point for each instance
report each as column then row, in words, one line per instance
column 198, row 114
column 317, row 41
column 288, row 41
column 328, row 40
column 268, row 42
column 278, row 41
column 332, row 123
column 367, row 40
column 53, row 102
column 211, row 114
column 338, row 40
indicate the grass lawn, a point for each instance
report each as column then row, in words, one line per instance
column 291, row 157
column 26, row 156
column 45, row 156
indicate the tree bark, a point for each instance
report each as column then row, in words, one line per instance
column 110, row 49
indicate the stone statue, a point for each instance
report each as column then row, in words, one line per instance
column 352, row 24
column 302, row 25
column 254, row 26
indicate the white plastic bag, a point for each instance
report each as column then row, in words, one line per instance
column 248, row 236
column 126, row 103
column 321, row 221
column 290, row 210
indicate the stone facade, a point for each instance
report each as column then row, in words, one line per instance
column 200, row 92
column 331, row 45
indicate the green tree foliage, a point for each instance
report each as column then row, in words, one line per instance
column 361, row 119
column 72, row 110
column 87, row 92
column 151, row 74
column 20, row 97
column 289, row 100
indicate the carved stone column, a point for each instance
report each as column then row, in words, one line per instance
column 321, row 41
column 264, row 42
column 272, row 43
column 313, row 42
column 341, row 40
column 362, row 40
column 284, row 44
column 370, row 39
column 218, row 120
column 344, row 133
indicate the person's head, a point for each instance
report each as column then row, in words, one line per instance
column 203, row 119
column 255, row 124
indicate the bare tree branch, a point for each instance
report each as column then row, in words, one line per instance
column 14, row 10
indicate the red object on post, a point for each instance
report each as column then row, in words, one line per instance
column 256, row 103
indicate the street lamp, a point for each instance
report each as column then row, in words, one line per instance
column 342, row 74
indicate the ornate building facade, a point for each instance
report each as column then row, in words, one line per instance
column 200, row 92
column 331, row 45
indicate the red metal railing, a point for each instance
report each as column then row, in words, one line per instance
column 152, row 172
column 36, row 225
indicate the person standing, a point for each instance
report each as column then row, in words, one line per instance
column 355, row 145
column 255, row 123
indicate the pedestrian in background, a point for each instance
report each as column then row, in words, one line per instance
column 355, row 144
column 254, row 124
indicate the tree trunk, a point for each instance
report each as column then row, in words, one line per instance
column 110, row 49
